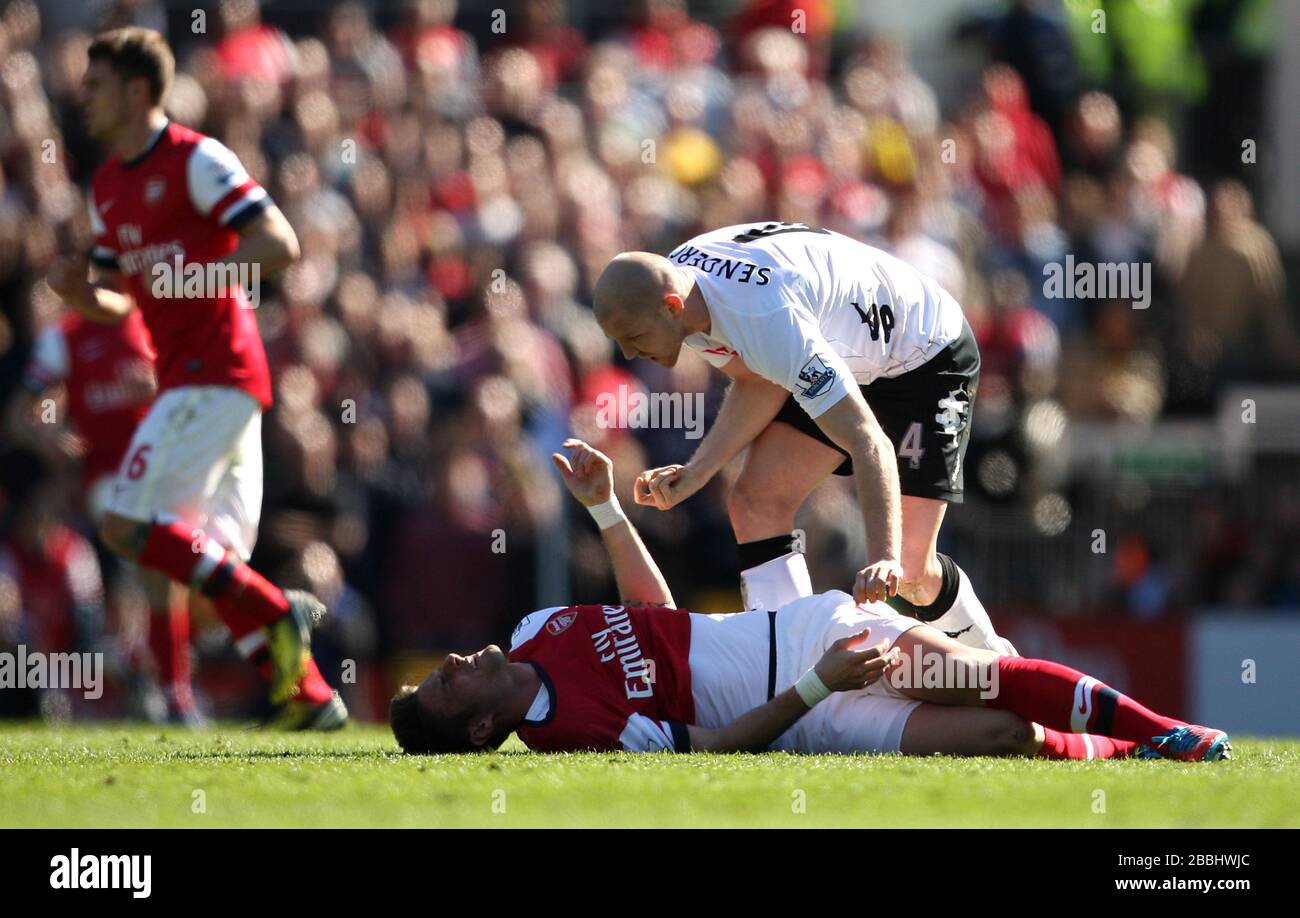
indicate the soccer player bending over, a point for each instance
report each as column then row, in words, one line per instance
column 819, row 674
column 844, row 360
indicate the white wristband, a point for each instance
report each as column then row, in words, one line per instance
column 811, row 688
column 607, row 514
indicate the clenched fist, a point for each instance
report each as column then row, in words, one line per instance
column 877, row 581
column 666, row 486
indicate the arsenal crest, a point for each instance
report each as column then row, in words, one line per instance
column 560, row 623
column 154, row 189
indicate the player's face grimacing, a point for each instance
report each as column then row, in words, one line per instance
column 654, row 335
column 472, row 685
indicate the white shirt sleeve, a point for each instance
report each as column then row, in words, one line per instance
column 219, row 185
column 530, row 624
column 786, row 347
column 644, row 734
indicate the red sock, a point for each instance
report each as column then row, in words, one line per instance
column 201, row 564
column 1062, row 698
column 1057, row 745
column 240, row 627
column 312, row 687
column 169, row 642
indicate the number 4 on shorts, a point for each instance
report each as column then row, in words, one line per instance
column 911, row 449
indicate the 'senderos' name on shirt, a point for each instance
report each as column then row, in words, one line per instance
column 741, row 271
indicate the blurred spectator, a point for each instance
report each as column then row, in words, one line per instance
column 1234, row 323
column 53, row 572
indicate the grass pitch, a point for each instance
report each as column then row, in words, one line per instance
column 148, row 776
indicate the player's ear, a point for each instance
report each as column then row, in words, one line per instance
column 674, row 303
column 138, row 91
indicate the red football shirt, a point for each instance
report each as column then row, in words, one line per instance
column 614, row 677
column 108, row 371
column 186, row 195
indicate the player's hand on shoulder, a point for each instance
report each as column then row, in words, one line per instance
column 878, row 581
column 847, row 666
column 587, row 472
column 666, row 486
column 69, row 277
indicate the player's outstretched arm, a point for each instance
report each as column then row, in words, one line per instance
column 589, row 475
column 842, row 668
column 90, row 292
column 850, row 423
column 748, row 407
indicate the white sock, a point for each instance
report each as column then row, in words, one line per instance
column 968, row 623
column 774, row 583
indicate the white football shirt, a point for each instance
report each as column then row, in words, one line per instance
column 814, row 311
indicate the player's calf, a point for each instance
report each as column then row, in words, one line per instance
column 772, row 571
column 1010, row 736
column 935, row 729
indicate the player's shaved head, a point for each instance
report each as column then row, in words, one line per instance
column 632, row 284
column 641, row 301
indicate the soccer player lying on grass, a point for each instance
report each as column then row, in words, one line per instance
column 820, row 674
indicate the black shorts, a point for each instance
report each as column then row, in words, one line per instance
column 925, row 413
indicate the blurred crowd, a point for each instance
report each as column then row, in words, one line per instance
column 459, row 174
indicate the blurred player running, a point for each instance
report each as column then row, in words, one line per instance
column 188, row 496
column 106, row 371
column 844, row 360
column 640, row 677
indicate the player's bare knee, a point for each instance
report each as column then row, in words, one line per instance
column 750, row 507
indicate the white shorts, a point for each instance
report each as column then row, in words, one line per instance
column 197, row 457
column 871, row 720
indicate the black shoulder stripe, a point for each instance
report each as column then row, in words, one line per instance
column 248, row 212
